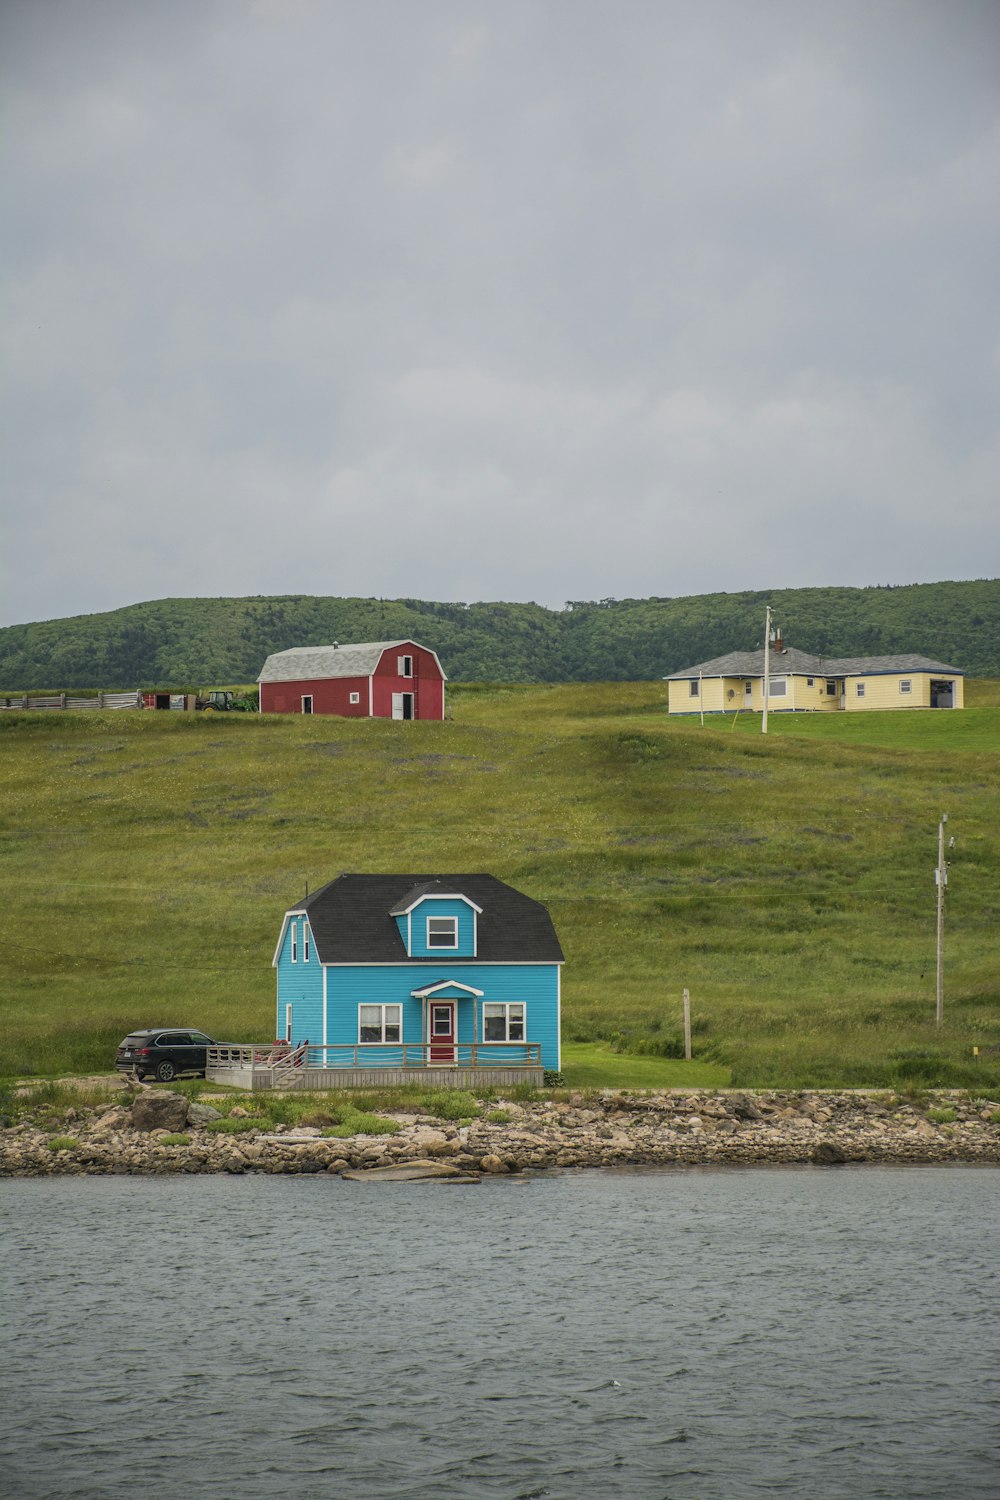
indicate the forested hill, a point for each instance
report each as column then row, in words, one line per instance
column 197, row 642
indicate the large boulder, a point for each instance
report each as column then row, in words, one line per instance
column 157, row 1109
column 201, row 1114
column 743, row 1107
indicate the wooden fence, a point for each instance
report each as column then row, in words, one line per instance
column 22, row 701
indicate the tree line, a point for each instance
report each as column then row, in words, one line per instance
column 190, row 643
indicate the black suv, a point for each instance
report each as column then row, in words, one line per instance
column 164, row 1053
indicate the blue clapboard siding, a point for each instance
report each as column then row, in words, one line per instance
column 349, row 986
column 439, row 907
column 511, row 956
column 300, row 985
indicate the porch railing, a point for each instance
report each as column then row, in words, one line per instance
column 223, row 1057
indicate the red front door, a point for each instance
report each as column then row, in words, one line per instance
column 443, row 1031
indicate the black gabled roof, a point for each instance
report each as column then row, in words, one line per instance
column 351, row 920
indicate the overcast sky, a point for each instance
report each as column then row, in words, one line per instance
column 526, row 299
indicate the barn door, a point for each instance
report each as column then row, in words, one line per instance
column 402, row 705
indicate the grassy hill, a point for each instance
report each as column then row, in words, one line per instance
column 192, row 643
column 787, row 881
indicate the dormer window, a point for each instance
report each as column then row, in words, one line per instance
column 442, row 932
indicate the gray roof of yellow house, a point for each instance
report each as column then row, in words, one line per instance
column 792, row 662
column 305, row 663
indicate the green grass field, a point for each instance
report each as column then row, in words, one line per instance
column 786, row 880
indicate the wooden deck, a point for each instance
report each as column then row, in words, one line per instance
column 252, row 1066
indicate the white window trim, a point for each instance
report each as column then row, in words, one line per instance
column 288, row 1023
column 506, row 1006
column 404, row 666
column 441, row 947
column 777, row 687
column 375, row 1005
column 305, row 942
column 449, row 1006
column 906, row 684
column 295, row 943
column 307, row 698
column 859, row 689
column 355, row 697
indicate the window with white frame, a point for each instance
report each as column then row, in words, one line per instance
column 380, row 1023
column 503, row 1021
column 355, row 697
column 405, row 666
column 906, row 685
column 295, row 943
column 809, row 682
column 305, row 942
column 777, row 688
column 693, row 687
column 859, row 688
column 442, row 932
column 307, row 703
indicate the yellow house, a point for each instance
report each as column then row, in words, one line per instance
column 801, row 683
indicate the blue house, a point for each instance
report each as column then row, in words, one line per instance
column 447, row 974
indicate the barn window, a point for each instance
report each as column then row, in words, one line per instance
column 380, row 1023
column 307, row 703
column 442, row 932
column 405, row 665
column 503, row 1023
column 355, row 697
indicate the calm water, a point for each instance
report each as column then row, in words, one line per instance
column 697, row 1335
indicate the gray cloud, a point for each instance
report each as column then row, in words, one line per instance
column 480, row 300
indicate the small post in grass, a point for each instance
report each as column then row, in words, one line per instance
column 941, row 880
column 687, row 1026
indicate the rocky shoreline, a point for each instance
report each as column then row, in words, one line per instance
column 613, row 1129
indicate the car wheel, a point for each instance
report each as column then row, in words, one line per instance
column 165, row 1071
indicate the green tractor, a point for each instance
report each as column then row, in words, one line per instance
column 224, row 700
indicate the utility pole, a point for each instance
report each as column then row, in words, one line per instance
column 701, row 702
column 941, row 880
column 687, row 1026
column 767, row 668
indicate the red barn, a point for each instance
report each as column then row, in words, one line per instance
column 376, row 680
